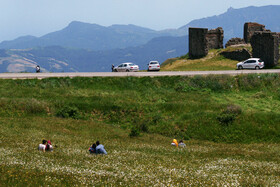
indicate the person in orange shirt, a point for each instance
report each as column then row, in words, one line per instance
column 174, row 143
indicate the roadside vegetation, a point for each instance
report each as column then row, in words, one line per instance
column 229, row 123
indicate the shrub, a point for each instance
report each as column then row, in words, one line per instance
column 229, row 114
column 144, row 127
column 226, row 118
column 134, row 132
column 233, row 109
column 69, row 112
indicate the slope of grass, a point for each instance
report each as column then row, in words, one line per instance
column 213, row 61
column 184, row 107
column 230, row 125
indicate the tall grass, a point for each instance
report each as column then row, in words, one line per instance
column 181, row 107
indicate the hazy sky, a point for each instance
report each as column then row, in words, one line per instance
column 39, row 17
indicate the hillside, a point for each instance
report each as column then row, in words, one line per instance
column 213, row 61
column 229, row 124
column 58, row 59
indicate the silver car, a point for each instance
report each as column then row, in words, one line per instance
column 251, row 63
column 128, row 66
column 153, row 66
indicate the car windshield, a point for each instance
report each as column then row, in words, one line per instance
column 153, row 62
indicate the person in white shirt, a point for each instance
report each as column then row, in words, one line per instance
column 42, row 146
column 182, row 144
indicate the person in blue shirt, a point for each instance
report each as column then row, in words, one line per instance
column 100, row 148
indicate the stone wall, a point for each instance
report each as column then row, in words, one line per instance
column 250, row 28
column 215, row 38
column 201, row 40
column 265, row 45
column 197, row 42
column 238, row 54
column 235, row 41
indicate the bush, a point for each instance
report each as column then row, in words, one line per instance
column 134, row 132
column 233, row 109
column 69, row 112
column 144, row 127
column 226, row 118
column 229, row 114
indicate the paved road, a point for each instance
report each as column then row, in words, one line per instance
column 133, row 74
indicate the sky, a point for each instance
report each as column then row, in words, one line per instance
column 39, row 17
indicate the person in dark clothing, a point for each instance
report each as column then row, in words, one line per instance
column 92, row 149
column 38, row 69
column 113, row 67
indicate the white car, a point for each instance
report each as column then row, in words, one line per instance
column 251, row 63
column 128, row 66
column 153, row 66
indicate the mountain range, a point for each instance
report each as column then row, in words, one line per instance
column 89, row 36
column 91, row 47
column 233, row 20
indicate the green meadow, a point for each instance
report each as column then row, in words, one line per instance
column 230, row 124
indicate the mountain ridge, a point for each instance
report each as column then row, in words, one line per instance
column 89, row 36
column 232, row 21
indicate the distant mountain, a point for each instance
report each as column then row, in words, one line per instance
column 60, row 59
column 89, row 36
column 233, row 20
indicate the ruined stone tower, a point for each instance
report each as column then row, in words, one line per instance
column 265, row 45
column 201, row 40
column 250, row 28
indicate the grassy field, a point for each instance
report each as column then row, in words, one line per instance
column 213, row 61
column 231, row 126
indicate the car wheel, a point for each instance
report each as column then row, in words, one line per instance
column 127, row 70
column 115, row 70
column 240, row 67
column 257, row 67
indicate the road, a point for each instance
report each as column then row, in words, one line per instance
column 132, row 74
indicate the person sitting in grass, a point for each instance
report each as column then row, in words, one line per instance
column 100, row 148
column 182, row 144
column 174, row 143
column 42, row 146
column 92, row 149
column 49, row 146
